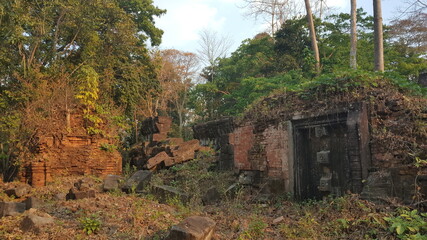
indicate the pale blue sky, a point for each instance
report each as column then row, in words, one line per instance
column 185, row 18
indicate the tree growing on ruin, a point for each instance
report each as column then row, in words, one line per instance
column 313, row 37
column 353, row 35
column 54, row 54
column 378, row 37
column 176, row 74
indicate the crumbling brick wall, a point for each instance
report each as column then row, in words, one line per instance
column 396, row 124
column 71, row 155
column 277, row 148
column 243, row 139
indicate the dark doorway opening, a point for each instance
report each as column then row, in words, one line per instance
column 330, row 154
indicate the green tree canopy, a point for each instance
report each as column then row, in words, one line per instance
column 55, row 51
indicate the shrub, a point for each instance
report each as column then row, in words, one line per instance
column 90, row 224
column 408, row 224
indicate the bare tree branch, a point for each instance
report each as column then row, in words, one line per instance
column 413, row 7
column 212, row 47
column 276, row 12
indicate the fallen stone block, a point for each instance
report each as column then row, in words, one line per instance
column 84, row 184
column 211, row 196
column 137, row 181
column 164, row 192
column 186, row 151
column 111, row 182
column 163, row 125
column 378, row 186
column 193, row 228
column 11, row 208
column 35, row 220
column 156, row 160
column 18, row 191
column 175, row 141
column 60, row 196
column 278, row 220
column 247, row 177
column 32, row 202
column 152, row 151
column 169, row 162
column 75, row 194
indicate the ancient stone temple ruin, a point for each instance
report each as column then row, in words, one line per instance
column 330, row 148
column 62, row 154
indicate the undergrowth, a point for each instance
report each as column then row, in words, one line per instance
column 90, row 224
column 408, row 224
column 195, row 178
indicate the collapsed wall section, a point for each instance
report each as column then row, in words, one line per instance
column 64, row 148
column 216, row 134
column 71, row 155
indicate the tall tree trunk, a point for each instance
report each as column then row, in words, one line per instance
column 378, row 35
column 353, row 33
column 181, row 122
column 135, row 120
column 313, row 35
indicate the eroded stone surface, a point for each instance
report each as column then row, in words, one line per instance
column 60, row 196
column 164, row 192
column 18, row 191
column 32, row 202
column 378, row 186
column 185, row 151
column 111, row 182
column 71, row 155
column 75, row 194
column 211, row 196
column 137, row 181
column 35, row 220
column 11, row 208
column 193, row 228
column 156, row 160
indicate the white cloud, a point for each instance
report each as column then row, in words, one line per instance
column 185, row 19
column 337, row 3
column 230, row 1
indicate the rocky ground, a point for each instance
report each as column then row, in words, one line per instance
column 239, row 212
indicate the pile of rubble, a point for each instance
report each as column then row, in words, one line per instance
column 159, row 151
column 32, row 210
column 22, row 202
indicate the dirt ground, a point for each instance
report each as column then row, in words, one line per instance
column 244, row 215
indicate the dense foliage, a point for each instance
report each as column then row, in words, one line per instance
column 284, row 62
column 58, row 57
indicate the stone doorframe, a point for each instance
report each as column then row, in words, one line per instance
column 355, row 117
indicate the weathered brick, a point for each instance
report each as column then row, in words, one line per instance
column 242, row 140
column 276, row 150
